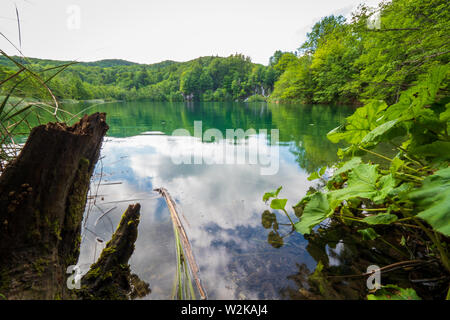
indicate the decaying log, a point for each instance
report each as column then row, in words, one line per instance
column 42, row 199
column 110, row 277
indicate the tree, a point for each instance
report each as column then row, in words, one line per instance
column 141, row 79
column 319, row 32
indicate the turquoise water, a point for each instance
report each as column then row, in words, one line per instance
column 220, row 197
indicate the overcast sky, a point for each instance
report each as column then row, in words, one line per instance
column 149, row 31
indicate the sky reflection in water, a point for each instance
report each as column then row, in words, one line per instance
column 222, row 204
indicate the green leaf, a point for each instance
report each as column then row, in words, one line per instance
column 396, row 164
column 267, row 219
column 438, row 150
column 385, row 185
column 360, row 123
column 315, row 211
column 381, row 218
column 322, row 170
column 445, row 116
column 272, row 194
column 393, row 292
column 353, row 162
column 313, row 176
column 369, row 234
column 275, row 240
column 361, row 183
column 377, row 134
column 316, row 175
column 402, row 190
column 413, row 102
column 433, row 199
column 278, row 204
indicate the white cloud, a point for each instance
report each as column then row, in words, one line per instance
column 151, row 31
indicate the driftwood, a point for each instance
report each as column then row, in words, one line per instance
column 110, row 276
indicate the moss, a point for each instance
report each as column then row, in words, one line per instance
column 56, row 230
column 4, row 281
column 47, row 221
column 77, row 197
column 107, row 275
column 39, row 265
column 94, row 272
column 109, row 250
column 35, row 235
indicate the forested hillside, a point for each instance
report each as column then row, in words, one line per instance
column 205, row 78
column 377, row 54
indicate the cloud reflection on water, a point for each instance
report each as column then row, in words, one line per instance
column 223, row 206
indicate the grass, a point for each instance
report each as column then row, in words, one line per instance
column 26, row 100
column 187, row 269
column 182, row 286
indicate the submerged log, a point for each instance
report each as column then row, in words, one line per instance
column 110, row 277
column 42, row 199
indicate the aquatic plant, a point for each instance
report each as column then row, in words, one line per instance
column 186, row 264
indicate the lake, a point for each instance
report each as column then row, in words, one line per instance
column 239, row 254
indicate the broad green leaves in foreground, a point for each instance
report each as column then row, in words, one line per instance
column 315, row 211
column 368, row 234
column 382, row 218
column 272, row 194
column 418, row 114
column 278, row 204
column 393, row 292
column 358, row 125
column 433, row 198
column 364, row 182
column 415, row 186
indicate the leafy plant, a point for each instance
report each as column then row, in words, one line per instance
column 277, row 204
column 393, row 292
column 412, row 192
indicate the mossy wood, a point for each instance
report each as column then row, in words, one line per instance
column 110, row 277
column 42, row 199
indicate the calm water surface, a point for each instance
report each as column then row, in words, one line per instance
column 221, row 203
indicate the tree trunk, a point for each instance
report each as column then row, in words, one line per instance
column 42, row 199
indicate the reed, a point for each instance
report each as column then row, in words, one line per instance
column 187, row 268
column 26, row 100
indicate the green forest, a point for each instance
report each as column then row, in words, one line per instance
column 377, row 53
column 202, row 79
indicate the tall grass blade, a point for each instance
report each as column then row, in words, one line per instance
column 183, row 245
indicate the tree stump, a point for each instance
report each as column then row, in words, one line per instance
column 43, row 194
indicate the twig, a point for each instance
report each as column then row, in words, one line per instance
column 388, row 268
